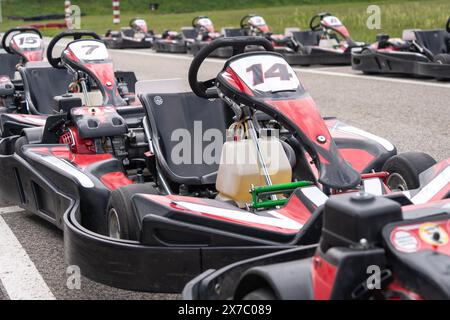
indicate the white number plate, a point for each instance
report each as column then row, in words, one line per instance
column 89, row 50
column 266, row 73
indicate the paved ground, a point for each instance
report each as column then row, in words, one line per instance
column 413, row 114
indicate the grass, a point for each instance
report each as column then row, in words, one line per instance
column 395, row 15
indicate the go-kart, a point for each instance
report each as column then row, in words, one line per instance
column 48, row 87
column 136, row 36
column 420, row 53
column 175, row 42
column 147, row 203
column 22, row 46
column 205, row 33
column 253, row 25
column 25, row 43
column 328, row 42
column 377, row 248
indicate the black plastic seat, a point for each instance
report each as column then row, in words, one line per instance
column 308, row 38
column 233, row 32
column 127, row 32
column 189, row 33
column 183, row 111
column 437, row 41
column 8, row 64
column 41, row 84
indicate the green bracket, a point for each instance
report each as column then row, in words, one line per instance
column 267, row 191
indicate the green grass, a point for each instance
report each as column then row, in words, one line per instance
column 396, row 15
column 100, row 7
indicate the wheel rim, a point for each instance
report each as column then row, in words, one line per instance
column 396, row 182
column 114, row 224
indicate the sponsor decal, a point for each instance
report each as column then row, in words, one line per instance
column 433, row 234
column 405, row 241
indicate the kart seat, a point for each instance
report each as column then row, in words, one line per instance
column 127, row 32
column 189, row 33
column 308, row 38
column 177, row 118
column 437, row 41
column 8, row 64
column 233, row 32
column 41, row 84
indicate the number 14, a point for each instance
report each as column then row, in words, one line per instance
column 278, row 70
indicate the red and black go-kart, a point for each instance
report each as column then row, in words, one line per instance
column 253, row 25
column 136, row 36
column 47, row 87
column 420, row 53
column 151, row 206
column 205, row 33
column 177, row 42
column 22, row 46
column 328, row 42
column 371, row 247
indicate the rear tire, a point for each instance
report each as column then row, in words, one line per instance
column 404, row 170
column 260, row 294
column 122, row 221
column 442, row 58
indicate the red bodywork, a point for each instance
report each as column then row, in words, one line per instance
column 31, row 55
column 323, row 275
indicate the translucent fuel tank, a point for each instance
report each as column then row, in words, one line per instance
column 239, row 168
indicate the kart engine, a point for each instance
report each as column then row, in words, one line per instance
column 102, row 130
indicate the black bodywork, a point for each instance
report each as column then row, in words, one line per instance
column 125, row 40
column 373, row 61
column 310, row 53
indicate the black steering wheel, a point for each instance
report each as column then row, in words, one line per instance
column 447, row 26
column 17, row 30
column 201, row 88
column 319, row 16
column 244, row 20
column 75, row 35
column 194, row 21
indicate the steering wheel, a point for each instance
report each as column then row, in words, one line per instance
column 321, row 15
column 244, row 20
column 75, row 35
column 194, row 21
column 447, row 26
column 202, row 88
column 17, row 30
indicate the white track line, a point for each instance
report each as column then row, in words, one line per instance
column 12, row 209
column 301, row 70
column 18, row 274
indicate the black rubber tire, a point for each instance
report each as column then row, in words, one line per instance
column 442, row 58
column 409, row 165
column 260, row 294
column 18, row 145
column 120, row 201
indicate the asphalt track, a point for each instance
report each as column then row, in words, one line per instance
column 413, row 114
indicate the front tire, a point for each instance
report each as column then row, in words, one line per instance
column 122, row 221
column 404, row 170
column 260, row 294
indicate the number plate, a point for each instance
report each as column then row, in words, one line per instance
column 89, row 50
column 27, row 41
column 332, row 21
column 266, row 73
